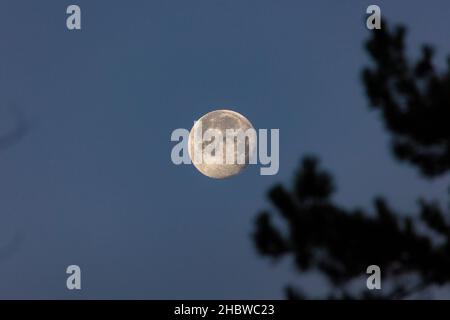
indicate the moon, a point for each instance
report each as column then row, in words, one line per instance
column 221, row 120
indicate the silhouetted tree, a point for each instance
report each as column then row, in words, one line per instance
column 414, row 100
column 341, row 243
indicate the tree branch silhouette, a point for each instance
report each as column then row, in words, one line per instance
column 8, row 139
column 414, row 100
column 19, row 130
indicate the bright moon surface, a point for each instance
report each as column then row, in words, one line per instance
column 221, row 120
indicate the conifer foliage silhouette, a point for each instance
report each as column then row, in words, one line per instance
column 414, row 101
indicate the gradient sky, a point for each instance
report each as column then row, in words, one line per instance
column 92, row 183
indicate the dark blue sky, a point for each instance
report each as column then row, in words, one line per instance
column 92, row 183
